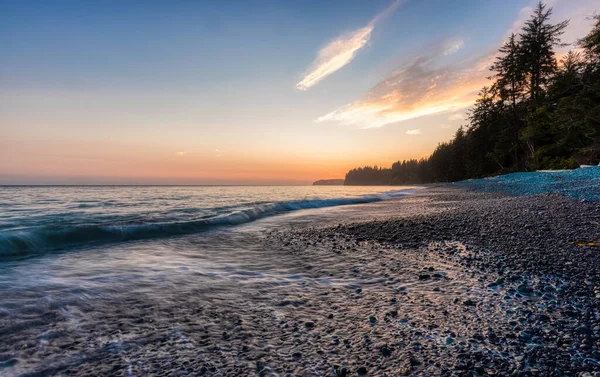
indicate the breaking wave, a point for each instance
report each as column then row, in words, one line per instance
column 39, row 240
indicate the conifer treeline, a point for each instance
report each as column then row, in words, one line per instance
column 535, row 114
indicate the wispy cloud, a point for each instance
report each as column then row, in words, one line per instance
column 453, row 45
column 579, row 13
column 428, row 85
column 341, row 51
column 181, row 153
column 335, row 55
column 457, row 116
column 420, row 88
column 413, row 132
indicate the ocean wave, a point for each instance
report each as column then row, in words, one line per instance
column 39, row 240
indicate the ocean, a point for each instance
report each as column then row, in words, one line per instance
column 77, row 262
column 44, row 219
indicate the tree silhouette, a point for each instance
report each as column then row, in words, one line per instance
column 536, row 113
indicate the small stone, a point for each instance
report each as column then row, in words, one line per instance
column 583, row 330
column 340, row 371
column 385, row 351
column 361, row 371
column 524, row 289
column 8, row 363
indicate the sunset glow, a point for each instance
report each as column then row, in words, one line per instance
column 201, row 93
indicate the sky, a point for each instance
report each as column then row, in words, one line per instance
column 241, row 92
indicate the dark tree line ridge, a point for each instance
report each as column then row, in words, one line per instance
column 536, row 113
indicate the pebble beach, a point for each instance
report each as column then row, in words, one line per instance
column 446, row 282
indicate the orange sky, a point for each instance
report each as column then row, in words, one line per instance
column 291, row 99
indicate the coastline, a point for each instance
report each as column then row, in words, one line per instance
column 533, row 289
column 445, row 282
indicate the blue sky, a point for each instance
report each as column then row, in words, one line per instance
column 239, row 91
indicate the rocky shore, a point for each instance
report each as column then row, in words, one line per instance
column 444, row 283
column 514, row 285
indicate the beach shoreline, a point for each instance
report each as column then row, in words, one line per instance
column 537, row 257
column 445, row 282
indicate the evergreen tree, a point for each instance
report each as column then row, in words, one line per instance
column 538, row 40
column 535, row 114
column 509, row 72
column 591, row 43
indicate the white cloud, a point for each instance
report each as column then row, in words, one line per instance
column 181, row 153
column 335, row 55
column 577, row 11
column 524, row 15
column 452, row 46
column 419, row 88
column 341, row 51
column 457, row 116
column 428, row 85
column 413, row 132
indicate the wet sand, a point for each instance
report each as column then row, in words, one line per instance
column 444, row 283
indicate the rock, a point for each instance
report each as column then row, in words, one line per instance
column 260, row 365
column 340, row 371
column 8, row 363
column 361, row 371
column 385, row 351
column 469, row 302
column 524, row 290
column 583, row 330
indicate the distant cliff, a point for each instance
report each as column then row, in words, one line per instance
column 329, row 182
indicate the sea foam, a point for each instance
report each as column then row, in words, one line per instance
column 48, row 238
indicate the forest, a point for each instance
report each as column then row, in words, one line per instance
column 538, row 112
